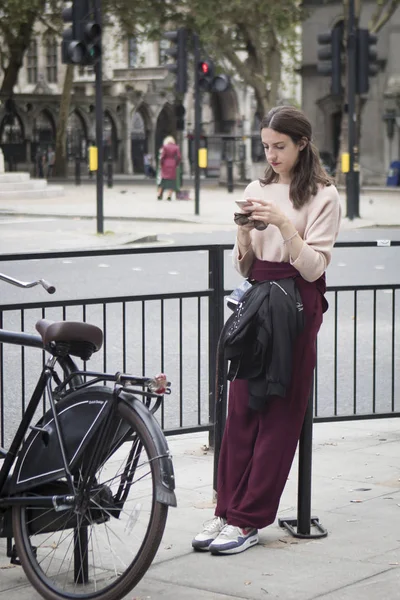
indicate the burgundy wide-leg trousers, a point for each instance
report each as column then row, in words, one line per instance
column 258, row 446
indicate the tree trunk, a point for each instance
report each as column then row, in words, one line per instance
column 17, row 44
column 61, row 164
column 11, row 73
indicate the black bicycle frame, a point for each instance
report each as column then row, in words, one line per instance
column 10, row 456
column 74, row 378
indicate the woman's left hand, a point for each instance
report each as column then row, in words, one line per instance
column 268, row 212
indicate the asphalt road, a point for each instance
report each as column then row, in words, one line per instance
column 355, row 356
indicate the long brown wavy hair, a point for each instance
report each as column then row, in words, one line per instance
column 308, row 171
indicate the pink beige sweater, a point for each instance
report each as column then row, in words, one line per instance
column 317, row 222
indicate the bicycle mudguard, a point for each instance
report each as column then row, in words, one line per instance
column 80, row 414
column 165, row 486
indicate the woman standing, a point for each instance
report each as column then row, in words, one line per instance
column 287, row 230
column 169, row 160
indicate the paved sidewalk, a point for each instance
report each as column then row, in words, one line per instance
column 356, row 474
column 356, row 495
column 136, row 207
column 132, row 214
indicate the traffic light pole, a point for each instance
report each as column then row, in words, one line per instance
column 197, row 124
column 99, row 130
column 353, row 176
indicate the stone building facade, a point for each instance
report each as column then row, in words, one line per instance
column 380, row 123
column 138, row 103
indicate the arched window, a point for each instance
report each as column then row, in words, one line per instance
column 12, row 141
column 76, row 137
column 43, row 128
column 11, row 130
column 51, row 60
column 32, row 62
column 132, row 52
column 138, row 141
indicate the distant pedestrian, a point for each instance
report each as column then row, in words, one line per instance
column 149, row 170
column 40, row 155
column 169, row 160
column 51, row 159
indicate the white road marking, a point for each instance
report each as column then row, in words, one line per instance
column 103, row 266
column 137, row 269
column 379, row 266
column 15, row 221
column 342, row 265
column 173, row 273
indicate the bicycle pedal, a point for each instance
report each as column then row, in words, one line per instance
column 13, row 556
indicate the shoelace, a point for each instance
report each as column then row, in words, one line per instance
column 210, row 525
column 228, row 530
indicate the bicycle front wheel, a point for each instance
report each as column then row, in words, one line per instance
column 102, row 552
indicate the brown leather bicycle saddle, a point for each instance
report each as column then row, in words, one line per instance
column 70, row 332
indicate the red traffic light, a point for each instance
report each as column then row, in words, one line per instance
column 204, row 68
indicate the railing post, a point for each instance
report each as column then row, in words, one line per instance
column 304, row 519
column 229, row 174
column 109, row 173
column 215, row 324
column 77, row 169
column 217, row 400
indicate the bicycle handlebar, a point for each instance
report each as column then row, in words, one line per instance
column 28, row 284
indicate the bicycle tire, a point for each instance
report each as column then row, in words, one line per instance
column 34, row 552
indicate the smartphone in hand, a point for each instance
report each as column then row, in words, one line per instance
column 244, row 204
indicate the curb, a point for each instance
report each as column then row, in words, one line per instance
column 15, row 213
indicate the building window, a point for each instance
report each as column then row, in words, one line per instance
column 132, row 52
column 51, row 60
column 163, row 46
column 32, row 62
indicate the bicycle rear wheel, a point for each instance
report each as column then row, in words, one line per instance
column 102, row 553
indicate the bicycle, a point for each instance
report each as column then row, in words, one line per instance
column 85, row 491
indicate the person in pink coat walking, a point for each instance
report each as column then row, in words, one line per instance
column 169, row 160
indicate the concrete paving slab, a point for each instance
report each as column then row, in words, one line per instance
column 263, row 572
column 150, row 589
column 383, row 585
column 358, row 560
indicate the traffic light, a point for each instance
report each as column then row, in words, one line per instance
column 366, row 59
column 330, row 57
column 206, row 75
column 208, row 81
column 179, row 52
column 81, row 43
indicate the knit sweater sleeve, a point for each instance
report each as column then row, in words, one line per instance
column 243, row 263
column 322, row 227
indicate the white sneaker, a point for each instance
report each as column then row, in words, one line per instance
column 210, row 531
column 233, row 540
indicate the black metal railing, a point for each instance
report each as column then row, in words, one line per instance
column 355, row 377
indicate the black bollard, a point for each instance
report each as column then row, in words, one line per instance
column 109, row 173
column 77, row 170
column 300, row 527
column 229, row 174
